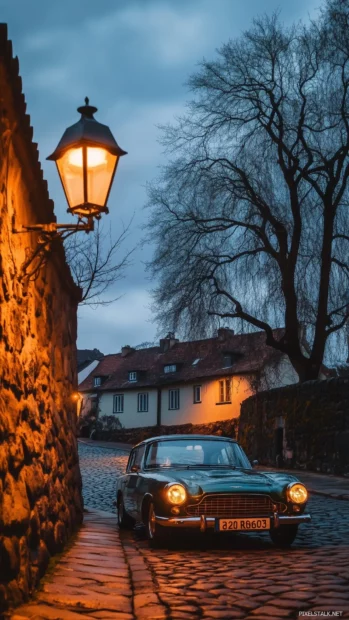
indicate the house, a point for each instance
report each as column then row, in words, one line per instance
column 176, row 382
column 86, row 371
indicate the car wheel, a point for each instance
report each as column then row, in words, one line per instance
column 155, row 533
column 124, row 520
column 284, row 535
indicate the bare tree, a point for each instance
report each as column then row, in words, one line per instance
column 95, row 263
column 250, row 216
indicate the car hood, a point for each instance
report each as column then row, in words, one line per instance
column 228, row 481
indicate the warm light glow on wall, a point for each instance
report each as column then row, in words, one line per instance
column 210, row 409
column 95, row 157
column 78, row 399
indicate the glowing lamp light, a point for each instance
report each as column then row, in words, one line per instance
column 87, row 157
column 297, row 493
column 95, row 157
column 176, row 494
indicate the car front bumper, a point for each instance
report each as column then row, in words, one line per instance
column 203, row 523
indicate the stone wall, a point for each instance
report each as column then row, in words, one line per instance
column 310, row 421
column 40, row 482
column 226, row 428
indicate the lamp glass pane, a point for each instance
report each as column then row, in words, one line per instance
column 100, row 169
column 71, row 173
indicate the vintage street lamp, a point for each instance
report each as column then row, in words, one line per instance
column 86, row 157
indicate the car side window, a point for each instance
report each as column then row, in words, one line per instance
column 136, row 457
column 139, row 456
column 131, row 460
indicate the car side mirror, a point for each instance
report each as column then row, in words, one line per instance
column 254, row 463
column 135, row 469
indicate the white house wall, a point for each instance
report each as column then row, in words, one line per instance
column 199, row 413
column 278, row 375
column 130, row 418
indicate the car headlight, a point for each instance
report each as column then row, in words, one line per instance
column 297, row 493
column 176, row 494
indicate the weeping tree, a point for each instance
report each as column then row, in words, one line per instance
column 250, row 216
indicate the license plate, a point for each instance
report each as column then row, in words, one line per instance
column 243, row 525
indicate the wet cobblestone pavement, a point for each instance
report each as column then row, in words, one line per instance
column 230, row 576
column 99, row 469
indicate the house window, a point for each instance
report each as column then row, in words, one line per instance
column 197, row 393
column 225, row 391
column 143, row 402
column 118, row 403
column 132, row 376
column 170, row 368
column 173, row 399
column 97, row 381
column 227, row 360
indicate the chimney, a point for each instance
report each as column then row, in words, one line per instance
column 168, row 342
column 126, row 350
column 225, row 332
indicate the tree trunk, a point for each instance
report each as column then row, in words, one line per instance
column 306, row 368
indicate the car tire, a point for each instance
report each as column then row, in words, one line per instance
column 284, row 535
column 156, row 534
column 124, row 520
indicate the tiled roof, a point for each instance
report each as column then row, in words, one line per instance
column 249, row 352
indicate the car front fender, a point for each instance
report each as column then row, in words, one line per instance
column 148, row 497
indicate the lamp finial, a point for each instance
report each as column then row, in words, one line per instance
column 87, row 110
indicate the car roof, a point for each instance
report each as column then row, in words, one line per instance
column 172, row 437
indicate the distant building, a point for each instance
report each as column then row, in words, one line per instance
column 86, row 356
column 88, row 367
column 183, row 382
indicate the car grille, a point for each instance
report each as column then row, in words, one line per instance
column 235, row 505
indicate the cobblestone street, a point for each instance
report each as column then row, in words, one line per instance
column 243, row 576
column 99, row 469
column 247, row 577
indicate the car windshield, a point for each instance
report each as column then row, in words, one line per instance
column 196, row 453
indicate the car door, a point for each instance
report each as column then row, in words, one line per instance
column 133, row 481
column 141, row 484
column 128, row 482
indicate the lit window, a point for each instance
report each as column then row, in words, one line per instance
column 197, row 393
column 97, row 381
column 173, row 399
column 142, row 402
column 132, row 376
column 225, row 391
column 118, row 403
column 170, row 368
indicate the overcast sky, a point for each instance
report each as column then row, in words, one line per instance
column 132, row 59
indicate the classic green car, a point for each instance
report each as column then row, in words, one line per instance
column 203, row 482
